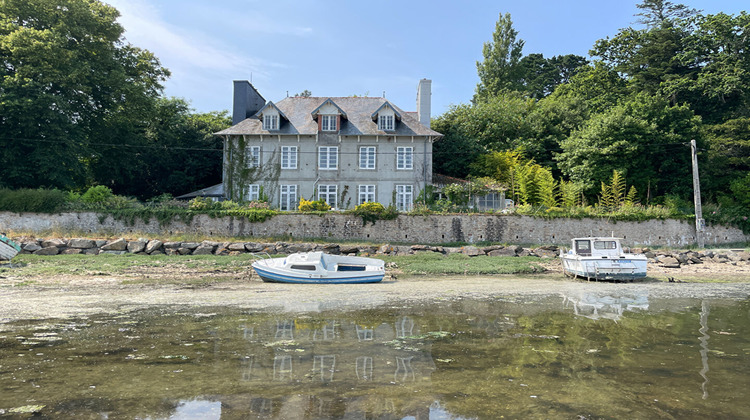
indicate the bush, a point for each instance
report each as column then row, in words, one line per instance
column 317, row 205
column 97, row 195
column 203, row 204
column 372, row 211
column 33, row 201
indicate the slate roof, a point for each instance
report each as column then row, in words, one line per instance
column 212, row 191
column 358, row 119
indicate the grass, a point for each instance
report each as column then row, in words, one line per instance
column 430, row 263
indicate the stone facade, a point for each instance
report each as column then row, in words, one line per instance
column 432, row 229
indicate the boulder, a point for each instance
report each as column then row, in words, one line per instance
column 81, row 243
column 59, row 243
column 204, row 250
column 472, row 251
column 386, row 249
column 669, row 262
column 112, row 252
column 334, row 249
column 71, row 251
column 504, row 252
column 91, row 251
column 153, row 246
column 190, row 245
column 117, row 245
column 351, row 249
column 184, row 251
column 545, row 252
column 48, row 250
column 135, row 247
column 172, row 245
column 253, row 247
column 31, row 247
column 240, row 247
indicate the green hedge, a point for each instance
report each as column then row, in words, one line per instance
column 34, row 201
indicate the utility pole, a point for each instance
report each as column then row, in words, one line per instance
column 700, row 224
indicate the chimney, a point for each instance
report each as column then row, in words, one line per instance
column 247, row 101
column 424, row 99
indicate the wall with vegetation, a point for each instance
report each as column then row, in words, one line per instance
column 432, row 229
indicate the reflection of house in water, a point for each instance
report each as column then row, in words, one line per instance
column 282, row 368
column 597, row 306
column 284, row 330
column 404, row 327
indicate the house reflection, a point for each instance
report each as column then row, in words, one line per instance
column 603, row 306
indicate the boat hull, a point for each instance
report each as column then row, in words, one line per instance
column 604, row 269
column 8, row 248
column 276, row 276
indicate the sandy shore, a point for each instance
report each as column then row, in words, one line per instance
column 70, row 296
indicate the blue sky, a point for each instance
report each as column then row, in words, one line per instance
column 343, row 48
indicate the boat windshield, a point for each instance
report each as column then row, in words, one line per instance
column 605, row 245
column 583, row 247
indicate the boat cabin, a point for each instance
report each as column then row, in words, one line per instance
column 597, row 247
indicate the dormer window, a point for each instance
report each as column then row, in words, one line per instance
column 328, row 122
column 270, row 122
column 385, row 122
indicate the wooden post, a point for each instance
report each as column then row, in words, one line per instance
column 700, row 224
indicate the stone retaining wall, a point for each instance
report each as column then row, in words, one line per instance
column 434, row 229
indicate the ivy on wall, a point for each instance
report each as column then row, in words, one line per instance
column 238, row 173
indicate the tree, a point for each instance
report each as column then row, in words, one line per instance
column 64, row 67
column 540, row 76
column 644, row 138
column 499, row 71
column 304, row 94
column 659, row 12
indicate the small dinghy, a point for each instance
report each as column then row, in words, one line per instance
column 319, row 267
column 8, row 248
column 602, row 259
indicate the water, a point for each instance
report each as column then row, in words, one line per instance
column 579, row 357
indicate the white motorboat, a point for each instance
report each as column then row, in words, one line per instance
column 8, row 248
column 319, row 267
column 600, row 258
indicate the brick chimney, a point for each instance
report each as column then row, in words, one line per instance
column 424, row 100
column 247, row 101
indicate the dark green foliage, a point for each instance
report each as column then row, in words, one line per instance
column 500, row 70
column 32, row 200
column 370, row 212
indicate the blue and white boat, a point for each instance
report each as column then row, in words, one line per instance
column 8, row 248
column 596, row 258
column 319, row 267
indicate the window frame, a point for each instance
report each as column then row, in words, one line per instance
column 329, row 122
column 288, row 199
column 254, row 156
column 270, row 122
column 386, row 122
column 366, row 193
column 367, row 156
column 251, row 193
column 402, row 204
column 326, row 151
column 287, row 153
column 404, row 158
column 331, row 191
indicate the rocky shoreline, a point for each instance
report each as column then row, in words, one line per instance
column 668, row 259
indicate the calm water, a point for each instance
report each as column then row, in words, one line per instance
column 587, row 356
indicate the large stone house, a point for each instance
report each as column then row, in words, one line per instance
column 344, row 150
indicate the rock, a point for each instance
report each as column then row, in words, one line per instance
column 334, row 249
column 471, row 251
column 171, row 251
column 545, row 252
column 153, row 246
column 48, row 250
column 669, row 262
column 70, row 251
column 292, row 248
column 184, row 251
column 682, row 258
column 111, row 252
column 351, row 249
column 253, row 247
column 100, row 242
column 401, row 250
column 504, row 252
column 190, row 245
column 91, row 251
column 237, row 247
column 135, row 247
column 649, row 254
column 451, row 250
column 59, row 243
column 172, row 245
column 526, row 253
column 204, row 250
column 31, row 246
column 81, row 243
column 386, row 249
column 117, row 245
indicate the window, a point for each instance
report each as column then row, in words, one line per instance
column 404, row 158
column 385, row 122
column 288, row 199
column 367, row 157
column 289, row 157
column 328, row 194
column 605, row 245
column 328, row 157
column 253, row 192
column 490, row 201
column 328, row 122
column 253, row 157
column 366, row 193
column 404, row 197
column 271, row 122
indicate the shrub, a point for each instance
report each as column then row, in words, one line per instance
column 372, row 211
column 34, row 201
column 317, row 205
column 203, row 203
column 97, row 194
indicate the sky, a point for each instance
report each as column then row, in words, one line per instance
column 344, row 48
